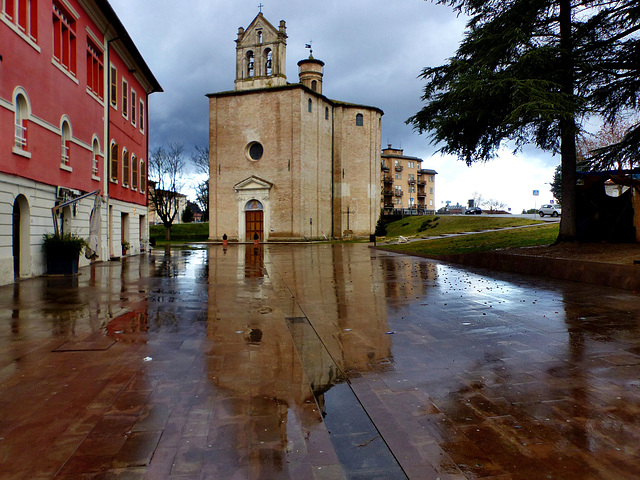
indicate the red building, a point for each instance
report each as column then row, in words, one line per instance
column 74, row 95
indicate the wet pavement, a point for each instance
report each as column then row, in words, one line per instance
column 315, row 362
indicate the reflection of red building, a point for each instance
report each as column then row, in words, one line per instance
column 129, row 327
column 73, row 120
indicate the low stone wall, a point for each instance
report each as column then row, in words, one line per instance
column 626, row 277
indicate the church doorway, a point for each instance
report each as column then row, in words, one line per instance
column 254, row 219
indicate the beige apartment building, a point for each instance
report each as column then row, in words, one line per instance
column 287, row 162
column 406, row 186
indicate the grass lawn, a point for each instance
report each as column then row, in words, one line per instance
column 433, row 226
column 481, row 242
column 181, row 232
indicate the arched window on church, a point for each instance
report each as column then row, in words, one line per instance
column 314, row 85
column 359, row 120
column 310, row 105
column 326, row 113
column 268, row 61
column 250, row 64
column 259, row 33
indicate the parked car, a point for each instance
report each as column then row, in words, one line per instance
column 473, row 211
column 553, row 210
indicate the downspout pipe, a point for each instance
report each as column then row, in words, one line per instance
column 108, row 116
column 107, row 178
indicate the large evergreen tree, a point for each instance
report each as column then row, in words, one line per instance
column 529, row 71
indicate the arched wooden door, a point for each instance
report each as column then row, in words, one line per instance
column 254, row 219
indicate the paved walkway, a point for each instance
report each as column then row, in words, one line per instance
column 315, row 362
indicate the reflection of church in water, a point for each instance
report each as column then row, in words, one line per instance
column 287, row 162
column 279, row 346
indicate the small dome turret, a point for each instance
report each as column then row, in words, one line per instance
column 310, row 71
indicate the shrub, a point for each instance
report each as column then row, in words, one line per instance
column 66, row 245
column 427, row 224
column 381, row 228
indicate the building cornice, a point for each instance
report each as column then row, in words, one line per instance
column 292, row 86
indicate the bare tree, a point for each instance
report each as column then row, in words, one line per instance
column 591, row 148
column 593, row 152
column 200, row 160
column 166, row 166
column 202, row 199
column 478, row 199
column 495, row 205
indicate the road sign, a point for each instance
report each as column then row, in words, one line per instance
column 536, row 193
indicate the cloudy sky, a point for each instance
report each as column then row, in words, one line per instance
column 373, row 51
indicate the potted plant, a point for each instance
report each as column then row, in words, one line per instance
column 62, row 252
column 125, row 246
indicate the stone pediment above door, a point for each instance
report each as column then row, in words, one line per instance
column 253, row 183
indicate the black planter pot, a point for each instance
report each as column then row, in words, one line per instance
column 62, row 265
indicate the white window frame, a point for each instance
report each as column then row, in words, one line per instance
column 143, row 115
column 21, row 129
column 65, row 143
column 113, row 84
column 125, row 98
column 133, row 99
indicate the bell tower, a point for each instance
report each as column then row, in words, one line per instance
column 261, row 55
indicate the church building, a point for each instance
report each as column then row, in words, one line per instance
column 287, row 162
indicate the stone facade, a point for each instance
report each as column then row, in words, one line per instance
column 286, row 162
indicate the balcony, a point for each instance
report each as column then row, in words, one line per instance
column 411, row 181
column 64, row 155
column 20, row 136
column 399, row 168
column 385, row 168
column 388, row 192
column 388, row 180
column 421, row 194
column 422, row 183
column 398, row 193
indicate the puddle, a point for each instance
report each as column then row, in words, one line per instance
column 359, row 445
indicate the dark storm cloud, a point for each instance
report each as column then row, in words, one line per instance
column 373, row 51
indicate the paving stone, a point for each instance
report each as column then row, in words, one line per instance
column 205, row 364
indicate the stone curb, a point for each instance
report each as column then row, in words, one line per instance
column 626, row 277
